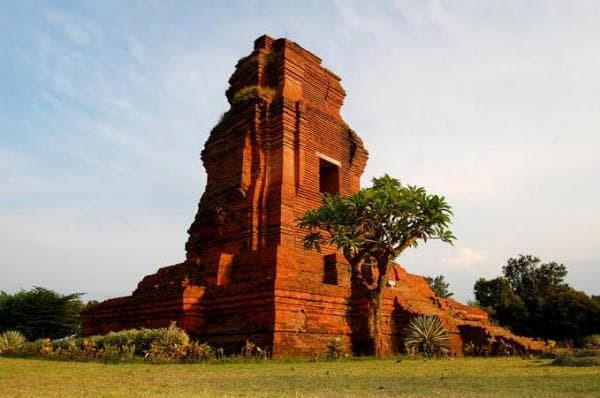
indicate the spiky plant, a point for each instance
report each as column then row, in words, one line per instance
column 11, row 341
column 248, row 349
column 335, row 348
column 426, row 335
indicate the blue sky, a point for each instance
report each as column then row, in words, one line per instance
column 105, row 106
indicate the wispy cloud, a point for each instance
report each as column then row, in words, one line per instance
column 463, row 258
column 104, row 109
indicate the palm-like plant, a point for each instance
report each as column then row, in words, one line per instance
column 426, row 335
column 11, row 341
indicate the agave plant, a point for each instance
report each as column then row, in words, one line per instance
column 11, row 341
column 426, row 335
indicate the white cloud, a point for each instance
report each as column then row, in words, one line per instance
column 463, row 258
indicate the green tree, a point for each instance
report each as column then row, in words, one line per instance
column 533, row 299
column 40, row 313
column 372, row 227
column 439, row 286
column 532, row 279
column 498, row 298
column 570, row 314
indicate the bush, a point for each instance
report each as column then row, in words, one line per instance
column 248, row 349
column 251, row 93
column 141, row 339
column 591, row 341
column 170, row 344
column 426, row 335
column 112, row 353
column 335, row 348
column 45, row 347
column 252, row 350
column 577, row 358
column 11, row 341
column 470, row 349
column 156, row 345
column 197, row 352
column 493, row 346
column 88, row 348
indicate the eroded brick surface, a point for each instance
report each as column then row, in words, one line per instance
column 246, row 274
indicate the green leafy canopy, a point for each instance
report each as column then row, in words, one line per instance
column 384, row 219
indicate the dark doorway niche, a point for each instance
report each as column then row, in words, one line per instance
column 329, row 177
column 330, row 275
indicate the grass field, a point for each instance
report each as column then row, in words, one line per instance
column 504, row 377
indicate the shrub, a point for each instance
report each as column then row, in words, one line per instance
column 577, row 358
column 335, row 348
column 157, row 345
column 197, row 352
column 250, row 93
column 504, row 348
column 11, row 341
column 252, row 350
column 45, row 347
column 248, row 349
column 491, row 347
column 427, row 336
column 142, row 339
column 261, row 353
column 72, row 350
column 469, row 348
column 109, row 353
column 591, row 341
column 171, row 344
column 30, row 349
column 88, row 348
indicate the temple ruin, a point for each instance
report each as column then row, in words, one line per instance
column 246, row 275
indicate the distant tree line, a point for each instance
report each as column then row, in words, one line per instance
column 41, row 313
column 533, row 299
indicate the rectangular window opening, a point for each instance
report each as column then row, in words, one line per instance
column 330, row 274
column 329, row 177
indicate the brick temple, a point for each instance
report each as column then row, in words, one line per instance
column 246, row 275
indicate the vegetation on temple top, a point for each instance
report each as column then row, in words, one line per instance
column 252, row 93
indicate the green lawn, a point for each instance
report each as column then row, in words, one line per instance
column 504, row 377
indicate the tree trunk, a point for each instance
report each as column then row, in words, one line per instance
column 375, row 307
column 373, row 292
column 382, row 268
